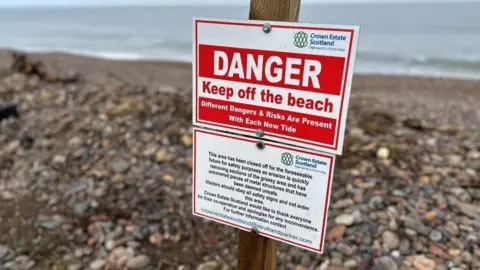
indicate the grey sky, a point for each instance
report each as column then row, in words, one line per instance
column 136, row 2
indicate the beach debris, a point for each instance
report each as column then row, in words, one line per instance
column 8, row 110
column 23, row 64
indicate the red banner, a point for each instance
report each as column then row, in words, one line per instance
column 314, row 73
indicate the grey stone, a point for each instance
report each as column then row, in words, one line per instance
column 451, row 227
column 390, row 240
column 386, row 263
column 138, row 262
column 80, row 208
column 306, row 260
column 417, row 226
column 98, row 264
column 74, row 267
column 410, row 232
column 435, row 236
column 470, row 210
column 345, row 219
column 4, row 251
column 78, row 252
column 133, row 244
column 345, row 249
column 405, row 247
column 120, row 166
column 441, row 267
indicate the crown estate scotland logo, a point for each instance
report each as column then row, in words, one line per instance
column 287, row 159
column 300, row 39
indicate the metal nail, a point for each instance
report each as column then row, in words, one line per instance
column 267, row 28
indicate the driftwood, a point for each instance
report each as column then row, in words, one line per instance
column 21, row 63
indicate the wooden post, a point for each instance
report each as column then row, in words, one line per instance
column 257, row 252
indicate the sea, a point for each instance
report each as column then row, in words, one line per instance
column 423, row 39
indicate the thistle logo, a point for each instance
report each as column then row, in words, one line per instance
column 300, row 39
column 287, row 158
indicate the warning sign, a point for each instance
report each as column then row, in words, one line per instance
column 292, row 81
column 282, row 192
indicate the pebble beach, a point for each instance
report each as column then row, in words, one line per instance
column 96, row 173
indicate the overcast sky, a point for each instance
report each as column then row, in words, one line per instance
column 137, row 2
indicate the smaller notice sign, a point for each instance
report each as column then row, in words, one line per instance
column 281, row 191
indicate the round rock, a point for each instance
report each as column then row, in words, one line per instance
column 435, row 236
column 390, row 240
column 97, row 264
column 138, row 262
column 345, row 219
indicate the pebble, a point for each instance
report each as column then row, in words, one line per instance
column 161, row 155
column 420, row 262
column 345, row 249
column 209, row 266
column 386, row 263
column 417, row 226
column 473, row 154
column 430, row 216
column 134, row 244
column 390, row 240
column 48, row 224
column 435, row 236
column 441, row 267
column 405, row 247
column 74, row 267
column 110, row 244
column 75, row 141
column 383, row 153
column 469, row 210
column 350, row 264
column 81, row 208
column 336, row 233
column 454, row 252
column 4, row 251
column 98, row 264
column 120, row 166
column 410, row 232
column 455, row 160
column 78, row 252
column 466, row 257
column 345, row 219
column 451, row 227
column 138, row 262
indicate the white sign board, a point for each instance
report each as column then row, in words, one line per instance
column 281, row 191
column 293, row 81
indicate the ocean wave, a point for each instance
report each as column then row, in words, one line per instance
column 467, row 62
column 367, row 62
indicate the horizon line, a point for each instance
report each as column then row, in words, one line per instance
column 347, row 2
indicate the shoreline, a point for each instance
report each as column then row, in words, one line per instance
column 187, row 63
column 442, row 100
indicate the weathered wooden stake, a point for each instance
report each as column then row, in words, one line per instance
column 257, row 252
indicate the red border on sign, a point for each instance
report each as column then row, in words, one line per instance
column 325, row 210
column 339, row 122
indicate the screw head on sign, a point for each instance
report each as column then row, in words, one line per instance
column 267, row 28
column 260, row 145
column 254, row 231
column 260, row 133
